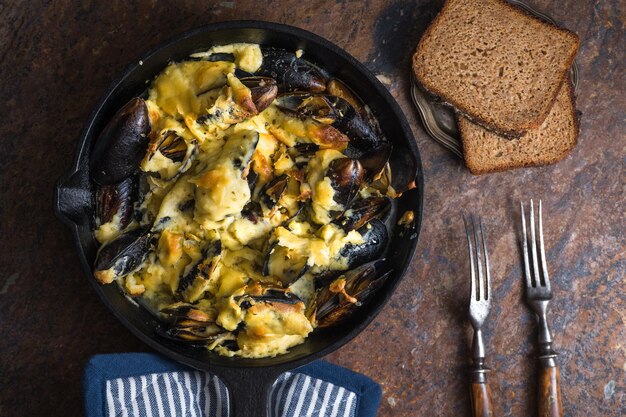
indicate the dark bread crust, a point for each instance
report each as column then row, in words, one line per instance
column 485, row 119
column 464, row 127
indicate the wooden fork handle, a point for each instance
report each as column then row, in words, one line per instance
column 550, row 392
column 482, row 404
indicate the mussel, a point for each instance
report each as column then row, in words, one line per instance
column 376, row 238
column 178, row 152
column 122, row 256
column 317, row 114
column 336, row 113
column 362, row 136
column 338, row 88
column 195, row 279
column 267, row 295
column 346, row 178
column 263, row 91
column 374, row 161
column 196, row 336
column 398, row 175
column 116, row 200
column 122, row 144
column 271, row 192
column 291, row 73
column 335, row 302
column 240, row 100
column 193, row 325
column 362, row 211
column 181, row 311
column 303, row 105
column 403, row 170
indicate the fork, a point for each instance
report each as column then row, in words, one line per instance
column 479, row 306
column 538, row 296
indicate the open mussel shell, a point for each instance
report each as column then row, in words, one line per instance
column 375, row 160
column 176, row 149
column 403, row 170
column 122, row 255
column 339, row 113
column 363, row 137
column 338, row 88
column 195, row 278
column 362, row 211
column 332, row 307
column 122, row 144
column 271, row 296
column 273, row 190
column 263, row 90
column 346, row 177
column 303, row 104
column 195, row 336
column 375, row 241
column 172, row 146
column 117, row 199
column 181, row 311
column 291, row 73
column 399, row 174
column 375, row 237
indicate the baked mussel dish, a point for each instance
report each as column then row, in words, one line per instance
column 245, row 199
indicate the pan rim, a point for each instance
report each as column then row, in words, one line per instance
column 381, row 92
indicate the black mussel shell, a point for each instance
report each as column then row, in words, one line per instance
column 374, row 161
column 220, row 56
column 201, row 269
column 362, row 211
column 263, row 90
column 291, row 73
column 361, row 283
column 362, row 136
column 122, row 144
column 272, row 191
column 403, row 170
column 124, row 254
column 117, row 199
column 376, row 239
column 346, row 177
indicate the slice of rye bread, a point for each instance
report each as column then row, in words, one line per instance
column 485, row 151
column 495, row 63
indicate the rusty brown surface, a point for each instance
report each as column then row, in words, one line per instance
column 56, row 59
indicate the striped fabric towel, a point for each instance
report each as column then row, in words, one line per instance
column 141, row 384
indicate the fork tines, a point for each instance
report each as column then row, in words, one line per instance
column 534, row 279
column 484, row 281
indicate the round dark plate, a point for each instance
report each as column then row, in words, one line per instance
column 248, row 379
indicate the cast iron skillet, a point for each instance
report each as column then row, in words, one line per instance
column 248, row 380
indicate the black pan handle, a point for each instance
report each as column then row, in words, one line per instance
column 72, row 198
column 249, row 390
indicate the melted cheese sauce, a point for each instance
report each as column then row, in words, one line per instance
column 202, row 199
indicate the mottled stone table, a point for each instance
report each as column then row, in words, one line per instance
column 56, row 59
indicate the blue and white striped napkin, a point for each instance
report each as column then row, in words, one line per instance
column 147, row 385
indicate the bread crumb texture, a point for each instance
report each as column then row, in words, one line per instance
column 485, row 151
column 495, row 63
